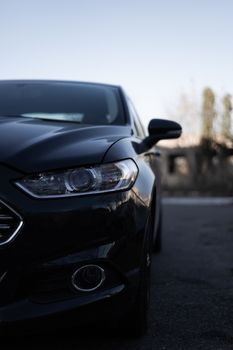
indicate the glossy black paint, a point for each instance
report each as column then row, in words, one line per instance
column 24, row 143
column 59, row 235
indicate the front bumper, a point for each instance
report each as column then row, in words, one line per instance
column 45, row 295
column 57, row 237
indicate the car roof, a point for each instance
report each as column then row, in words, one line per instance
column 36, row 81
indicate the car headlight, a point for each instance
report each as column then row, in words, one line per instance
column 79, row 181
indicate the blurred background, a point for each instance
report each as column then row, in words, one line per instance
column 173, row 57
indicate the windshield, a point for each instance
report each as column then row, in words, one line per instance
column 72, row 102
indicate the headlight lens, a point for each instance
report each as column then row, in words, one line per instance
column 79, row 181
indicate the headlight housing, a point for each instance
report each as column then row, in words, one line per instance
column 80, row 181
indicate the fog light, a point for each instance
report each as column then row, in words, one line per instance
column 88, row 278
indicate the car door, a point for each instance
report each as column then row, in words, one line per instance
column 153, row 157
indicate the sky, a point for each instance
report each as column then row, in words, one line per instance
column 157, row 50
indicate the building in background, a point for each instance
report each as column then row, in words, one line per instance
column 202, row 163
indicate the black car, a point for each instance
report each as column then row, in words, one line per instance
column 79, row 204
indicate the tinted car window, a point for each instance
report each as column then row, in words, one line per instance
column 82, row 103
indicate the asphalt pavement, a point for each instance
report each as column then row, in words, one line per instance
column 192, row 289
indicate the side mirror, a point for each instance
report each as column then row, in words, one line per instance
column 162, row 129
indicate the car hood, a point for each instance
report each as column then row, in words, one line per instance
column 32, row 145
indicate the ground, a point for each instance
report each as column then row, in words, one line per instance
column 192, row 290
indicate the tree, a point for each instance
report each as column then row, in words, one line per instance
column 226, row 118
column 208, row 115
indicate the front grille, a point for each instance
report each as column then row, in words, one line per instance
column 46, row 286
column 10, row 223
